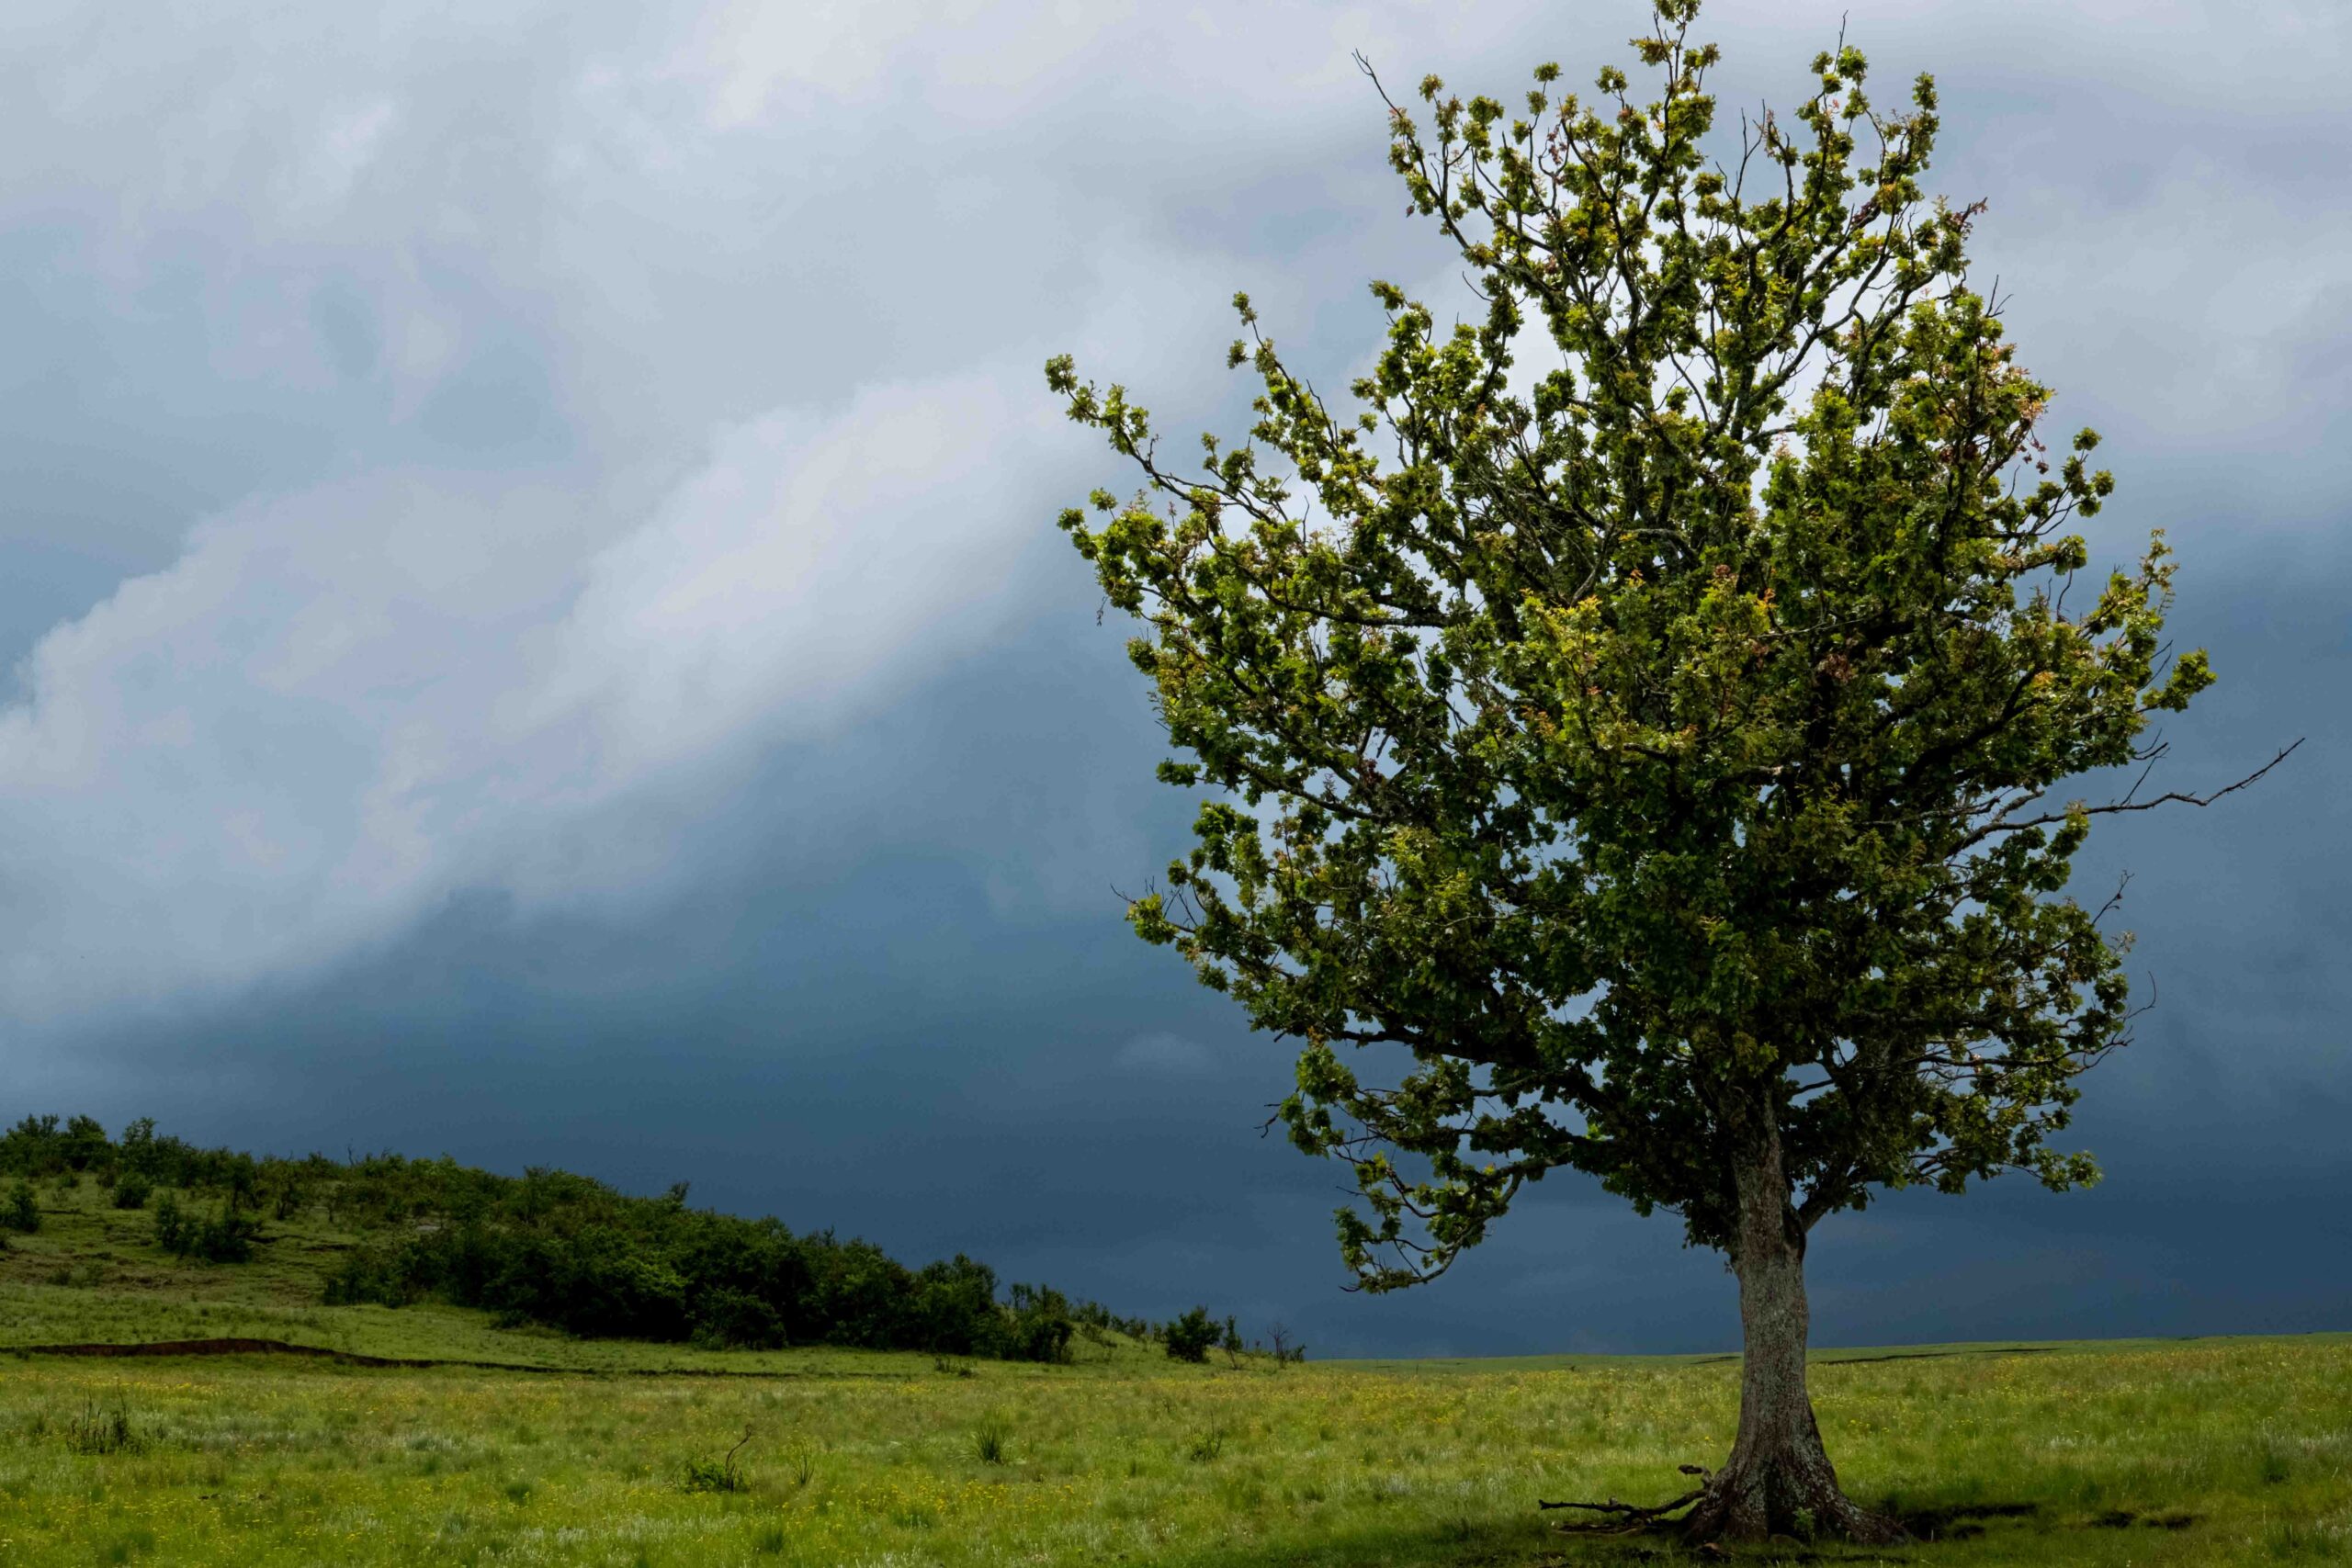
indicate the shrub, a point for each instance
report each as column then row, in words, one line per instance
column 170, row 1225
column 991, row 1441
column 227, row 1237
column 22, row 1211
column 1190, row 1335
column 955, row 1311
column 131, row 1190
column 732, row 1320
column 368, row 1276
column 1037, row 1327
column 85, row 1143
column 708, row 1476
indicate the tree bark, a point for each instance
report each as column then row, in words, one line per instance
column 1779, row 1480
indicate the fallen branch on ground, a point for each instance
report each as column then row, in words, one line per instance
column 1626, row 1517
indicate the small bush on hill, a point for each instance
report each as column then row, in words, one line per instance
column 368, row 1277
column 1039, row 1328
column 22, row 1211
column 170, row 1225
column 131, row 1190
column 227, row 1237
column 1190, row 1335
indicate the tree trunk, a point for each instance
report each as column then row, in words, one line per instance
column 1778, row 1480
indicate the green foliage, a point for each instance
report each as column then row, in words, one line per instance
column 170, row 1225
column 800, row 1464
column 718, row 1475
column 22, row 1211
column 1639, row 723
column 1189, row 1336
column 1040, row 1326
column 42, row 1145
column 558, row 1250
column 991, row 1439
column 737, row 1320
column 83, row 1143
column 228, row 1236
column 708, row 1475
column 554, row 1248
column 104, row 1428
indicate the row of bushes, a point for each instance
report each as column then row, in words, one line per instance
column 715, row 1279
column 42, row 1147
column 561, row 1249
column 556, row 1248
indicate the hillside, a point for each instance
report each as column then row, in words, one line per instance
column 93, row 1273
column 231, row 1238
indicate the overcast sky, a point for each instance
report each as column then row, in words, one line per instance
column 538, row 633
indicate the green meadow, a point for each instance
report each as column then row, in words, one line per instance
column 2201, row 1451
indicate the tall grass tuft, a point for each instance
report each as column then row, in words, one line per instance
column 105, row 1429
column 800, row 1464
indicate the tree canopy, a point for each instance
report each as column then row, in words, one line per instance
column 1644, row 710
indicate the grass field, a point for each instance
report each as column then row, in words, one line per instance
column 2204, row 1451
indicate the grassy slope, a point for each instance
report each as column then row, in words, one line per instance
column 92, row 1273
column 2240, row 1450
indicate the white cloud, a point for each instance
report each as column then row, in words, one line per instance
column 338, row 707
column 806, row 555
column 784, row 275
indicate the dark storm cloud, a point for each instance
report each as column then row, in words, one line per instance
column 581, row 672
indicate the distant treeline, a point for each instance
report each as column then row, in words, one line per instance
column 554, row 1248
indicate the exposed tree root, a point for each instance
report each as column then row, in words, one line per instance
column 1760, row 1502
column 1718, row 1511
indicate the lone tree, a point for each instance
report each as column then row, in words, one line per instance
column 1644, row 716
